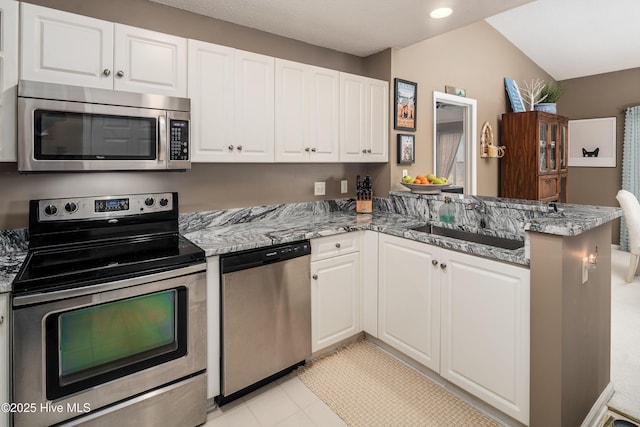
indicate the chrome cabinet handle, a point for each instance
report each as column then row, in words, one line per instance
column 239, row 148
column 315, row 277
column 120, row 73
column 230, row 147
column 313, row 150
column 106, row 72
column 434, row 262
column 338, row 245
column 369, row 151
column 1, row 320
column 306, row 149
column 443, row 266
column 364, row 151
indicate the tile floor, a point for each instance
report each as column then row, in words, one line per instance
column 284, row 403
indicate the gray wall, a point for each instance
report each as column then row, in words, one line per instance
column 602, row 95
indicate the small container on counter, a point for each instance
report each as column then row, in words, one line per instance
column 447, row 211
column 364, row 195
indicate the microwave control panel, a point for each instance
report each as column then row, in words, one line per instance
column 178, row 139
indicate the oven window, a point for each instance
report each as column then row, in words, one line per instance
column 82, row 136
column 92, row 345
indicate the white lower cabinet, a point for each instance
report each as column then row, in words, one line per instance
column 213, row 327
column 5, row 372
column 462, row 316
column 335, row 290
column 409, row 299
column 485, row 330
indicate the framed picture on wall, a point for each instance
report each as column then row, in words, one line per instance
column 406, row 104
column 593, row 142
column 406, row 149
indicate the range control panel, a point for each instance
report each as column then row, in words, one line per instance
column 178, row 139
column 80, row 208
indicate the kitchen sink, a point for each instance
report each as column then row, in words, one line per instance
column 469, row 236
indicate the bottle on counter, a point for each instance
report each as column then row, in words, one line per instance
column 447, row 211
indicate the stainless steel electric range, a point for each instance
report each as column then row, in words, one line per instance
column 109, row 316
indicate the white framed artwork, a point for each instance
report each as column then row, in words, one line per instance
column 592, row 142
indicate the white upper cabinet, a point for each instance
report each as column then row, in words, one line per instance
column 254, row 107
column 364, row 119
column 66, row 48
column 211, row 89
column 306, row 113
column 8, row 78
column 149, row 62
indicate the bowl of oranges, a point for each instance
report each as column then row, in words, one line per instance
column 425, row 184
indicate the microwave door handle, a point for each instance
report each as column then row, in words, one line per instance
column 162, row 138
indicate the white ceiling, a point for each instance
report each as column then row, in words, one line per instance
column 567, row 38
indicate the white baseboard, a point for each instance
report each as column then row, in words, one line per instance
column 599, row 409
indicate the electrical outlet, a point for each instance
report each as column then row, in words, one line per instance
column 344, row 185
column 318, row 189
column 405, row 172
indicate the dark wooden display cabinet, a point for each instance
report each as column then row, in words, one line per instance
column 534, row 165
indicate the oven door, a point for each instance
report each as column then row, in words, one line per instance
column 95, row 349
column 75, row 136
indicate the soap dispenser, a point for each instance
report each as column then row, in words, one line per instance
column 447, row 211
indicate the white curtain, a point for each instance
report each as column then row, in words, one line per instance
column 630, row 163
column 448, row 143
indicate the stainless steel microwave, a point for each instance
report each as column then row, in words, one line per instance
column 72, row 128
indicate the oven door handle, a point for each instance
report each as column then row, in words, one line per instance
column 162, row 140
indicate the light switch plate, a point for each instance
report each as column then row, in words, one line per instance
column 344, row 186
column 319, row 189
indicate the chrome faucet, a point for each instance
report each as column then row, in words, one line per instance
column 480, row 207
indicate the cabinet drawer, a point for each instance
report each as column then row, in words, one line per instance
column 547, row 187
column 330, row 246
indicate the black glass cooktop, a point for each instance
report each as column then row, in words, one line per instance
column 77, row 265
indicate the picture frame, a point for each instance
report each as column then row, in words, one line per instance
column 405, row 104
column 517, row 105
column 593, row 143
column 406, row 149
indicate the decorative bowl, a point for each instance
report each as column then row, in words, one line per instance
column 425, row 188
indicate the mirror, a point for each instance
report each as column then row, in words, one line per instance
column 454, row 140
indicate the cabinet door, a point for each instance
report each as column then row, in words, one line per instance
column 291, row 112
column 213, row 327
column 353, row 117
column 8, row 80
column 211, row 89
column 150, row 62
column 409, row 298
column 323, row 121
column 5, row 372
column 66, row 48
column 254, row 107
column 378, row 121
column 563, row 145
column 485, row 330
column 335, row 300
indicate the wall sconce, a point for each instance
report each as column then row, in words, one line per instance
column 589, row 263
column 487, row 149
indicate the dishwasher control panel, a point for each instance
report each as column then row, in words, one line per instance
column 257, row 257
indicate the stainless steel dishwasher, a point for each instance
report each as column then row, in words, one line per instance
column 266, row 316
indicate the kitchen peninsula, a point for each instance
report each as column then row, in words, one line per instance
column 569, row 321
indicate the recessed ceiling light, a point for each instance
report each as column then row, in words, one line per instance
column 440, row 13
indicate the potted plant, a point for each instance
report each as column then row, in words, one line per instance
column 549, row 96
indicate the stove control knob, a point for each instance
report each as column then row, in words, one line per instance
column 50, row 210
column 164, row 202
column 149, row 201
column 71, row 207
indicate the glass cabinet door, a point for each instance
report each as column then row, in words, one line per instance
column 553, row 137
column 562, row 149
column 543, row 147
